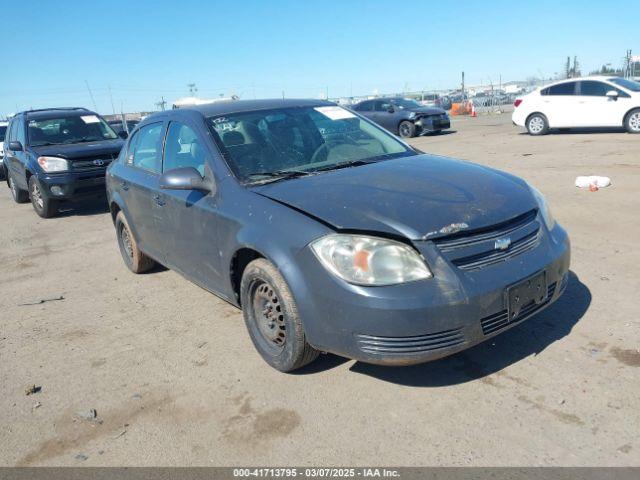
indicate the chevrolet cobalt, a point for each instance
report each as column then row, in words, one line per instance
column 331, row 234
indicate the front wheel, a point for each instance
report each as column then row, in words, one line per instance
column 632, row 122
column 537, row 124
column 407, row 129
column 44, row 206
column 272, row 319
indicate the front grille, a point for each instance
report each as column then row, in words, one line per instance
column 500, row 320
column 410, row 345
column 89, row 163
column 476, row 249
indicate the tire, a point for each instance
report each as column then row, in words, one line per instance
column 407, row 129
column 19, row 195
column 537, row 124
column 44, row 206
column 272, row 319
column 134, row 259
column 632, row 121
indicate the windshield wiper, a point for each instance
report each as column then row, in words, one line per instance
column 278, row 175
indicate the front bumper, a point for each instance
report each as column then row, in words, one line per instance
column 426, row 320
column 433, row 123
column 69, row 185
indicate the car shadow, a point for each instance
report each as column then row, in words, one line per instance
column 85, row 207
column 529, row 338
column 438, row 134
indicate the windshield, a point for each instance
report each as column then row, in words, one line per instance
column 71, row 129
column 405, row 103
column 3, row 132
column 265, row 144
column 626, row 83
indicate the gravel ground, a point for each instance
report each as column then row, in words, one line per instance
column 174, row 379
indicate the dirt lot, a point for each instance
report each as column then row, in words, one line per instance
column 175, row 380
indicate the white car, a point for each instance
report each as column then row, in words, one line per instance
column 580, row 102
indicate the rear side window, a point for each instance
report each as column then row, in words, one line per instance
column 561, row 89
column 364, row 107
column 183, row 148
column 146, row 147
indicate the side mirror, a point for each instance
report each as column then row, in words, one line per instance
column 612, row 94
column 186, row 178
column 390, row 109
column 123, row 134
column 15, row 146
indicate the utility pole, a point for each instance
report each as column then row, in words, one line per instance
column 462, row 83
column 161, row 104
column 91, row 95
column 113, row 108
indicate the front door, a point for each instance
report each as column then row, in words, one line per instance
column 596, row 109
column 189, row 218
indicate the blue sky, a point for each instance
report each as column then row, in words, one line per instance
column 143, row 50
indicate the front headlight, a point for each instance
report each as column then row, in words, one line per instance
column 53, row 164
column 549, row 221
column 363, row 260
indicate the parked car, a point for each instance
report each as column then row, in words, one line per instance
column 3, row 131
column 403, row 117
column 580, row 102
column 57, row 154
column 431, row 100
column 119, row 127
column 331, row 234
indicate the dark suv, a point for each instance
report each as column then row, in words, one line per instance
column 331, row 234
column 57, row 154
column 403, row 116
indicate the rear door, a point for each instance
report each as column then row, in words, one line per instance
column 560, row 105
column 598, row 110
column 189, row 219
column 140, row 185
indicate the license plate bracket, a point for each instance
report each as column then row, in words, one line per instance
column 524, row 293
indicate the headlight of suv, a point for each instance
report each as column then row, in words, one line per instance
column 549, row 221
column 373, row 261
column 53, row 164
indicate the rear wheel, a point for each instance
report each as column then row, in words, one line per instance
column 42, row 204
column 632, row 122
column 134, row 259
column 272, row 319
column 407, row 129
column 537, row 124
column 19, row 195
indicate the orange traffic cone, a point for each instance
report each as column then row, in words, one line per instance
column 473, row 110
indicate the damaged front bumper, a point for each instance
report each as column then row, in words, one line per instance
column 433, row 123
column 424, row 320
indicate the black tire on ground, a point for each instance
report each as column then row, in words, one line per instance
column 537, row 124
column 19, row 195
column 134, row 259
column 632, row 121
column 3, row 173
column 272, row 319
column 406, row 129
column 44, row 206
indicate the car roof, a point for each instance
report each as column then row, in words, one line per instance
column 45, row 113
column 227, row 107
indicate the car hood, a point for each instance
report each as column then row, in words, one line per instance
column 428, row 110
column 79, row 150
column 418, row 197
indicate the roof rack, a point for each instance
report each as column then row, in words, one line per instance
column 55, row 108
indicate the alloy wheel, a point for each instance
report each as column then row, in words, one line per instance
column 126, row 242
column 536, row 124
column 634, row 122
column 404, row 130
column 36, row 195
column 12, row 186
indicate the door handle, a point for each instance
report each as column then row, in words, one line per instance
column 159, row 200
column 124, row 186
